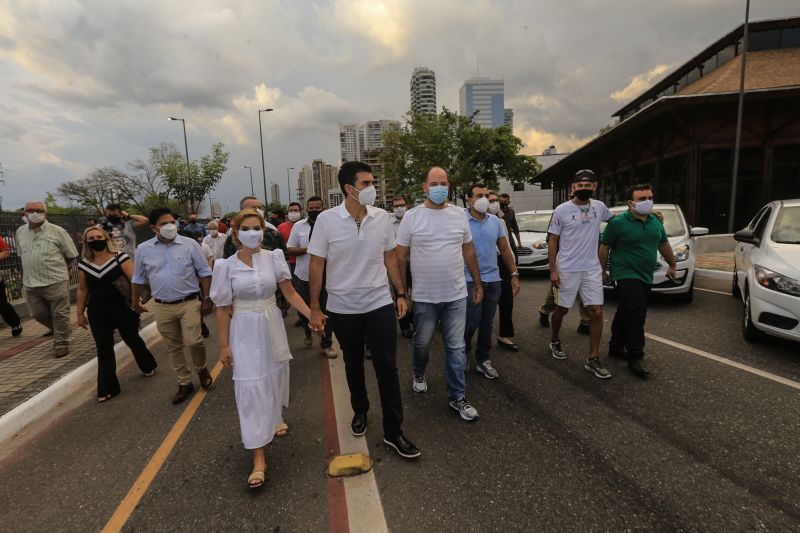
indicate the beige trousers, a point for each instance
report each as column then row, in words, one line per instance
column 49, row 306
column 179, row 324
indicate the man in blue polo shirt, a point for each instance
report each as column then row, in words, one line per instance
column 634, row 239
column 487, row 237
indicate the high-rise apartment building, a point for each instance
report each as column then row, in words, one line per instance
column 305, row 184
column 275, row 193
column 369, row 140
column 486, row 96
column 324, row 180
column 508, row 118
column 423, row 91
column 351, row 140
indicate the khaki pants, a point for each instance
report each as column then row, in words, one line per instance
column 549, row 305
column 49, row 306
column 179, row 324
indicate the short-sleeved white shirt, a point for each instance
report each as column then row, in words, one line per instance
column 356, row 278
column 436, row 238
column 298, row 238
column 578, row 228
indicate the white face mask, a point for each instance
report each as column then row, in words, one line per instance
column 493, row 208
column 213, row 232
column 294, row 216
column 644, row 207
column 481, row 205
column 399, row 211
column 168, row 231
column 36, row 218
column 251, row 238
column 366, row 196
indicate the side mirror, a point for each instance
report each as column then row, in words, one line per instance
column 696, row 232
column 746, row 236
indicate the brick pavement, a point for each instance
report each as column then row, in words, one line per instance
column 716, row 261
column 27, row 364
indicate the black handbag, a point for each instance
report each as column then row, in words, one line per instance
column 122, row 284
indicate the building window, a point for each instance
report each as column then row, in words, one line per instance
column 716, row 169
column 764, row 40
column 673, row 181
column 519, row 187
column 786, row 172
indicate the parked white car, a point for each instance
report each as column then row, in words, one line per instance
column 532, row 255
column 681, row 238
column 767, row 271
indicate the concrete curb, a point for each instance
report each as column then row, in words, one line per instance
column 65, row 394
column 713, row 274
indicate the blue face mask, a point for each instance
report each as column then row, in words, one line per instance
column 438, row 194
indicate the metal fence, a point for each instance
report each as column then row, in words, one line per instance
column 11, row 268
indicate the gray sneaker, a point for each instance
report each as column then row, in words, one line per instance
column 557, row 351
column 464, row 409
column 596, row 367
column 419, row 384
column 487, row 370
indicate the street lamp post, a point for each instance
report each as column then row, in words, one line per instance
column 288, row 185
column 252, row 190
column 737, row 143
column 261, row 138
column 186, row 146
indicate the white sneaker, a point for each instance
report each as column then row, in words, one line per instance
column 419, row 384
column 487, row 370
column 464, row 409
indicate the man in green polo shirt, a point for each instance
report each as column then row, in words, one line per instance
column 634, row 239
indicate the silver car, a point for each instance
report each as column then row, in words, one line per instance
column 532, row 255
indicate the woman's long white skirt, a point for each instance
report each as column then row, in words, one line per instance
column 261, row 384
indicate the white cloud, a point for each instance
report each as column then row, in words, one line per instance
column 380, row 22
column 639, row 84
column 536, row 140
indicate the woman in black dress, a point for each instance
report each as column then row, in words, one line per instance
column 99, row 267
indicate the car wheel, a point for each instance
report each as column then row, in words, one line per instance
column 688, row 296
column 735, row 291
column 749, row 330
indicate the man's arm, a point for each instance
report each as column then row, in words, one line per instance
column 139, row 221
column 315, row 287
column 294, row 251
column 393, row 268
column 603, row 253
column 666, row 252
column 508, row 260
column 552, row 254
column 401, row 252
column 471, row 260
column 512, row 224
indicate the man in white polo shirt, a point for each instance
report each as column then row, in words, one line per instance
column 573, row 251
column 355, row 240
column 440, row 241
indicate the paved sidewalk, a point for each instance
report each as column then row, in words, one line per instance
column 718, row 261
column 27, row 364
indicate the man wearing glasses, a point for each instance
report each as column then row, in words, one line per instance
column 46, row 251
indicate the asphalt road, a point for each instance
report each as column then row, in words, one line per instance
column 699, row 446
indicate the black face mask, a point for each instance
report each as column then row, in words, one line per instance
column 97, row 245
column 312, row 215
column 583, row 194
column 114, row 219
column 503, row 206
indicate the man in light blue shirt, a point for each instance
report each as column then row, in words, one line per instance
column 487, row 237
column 177, row 270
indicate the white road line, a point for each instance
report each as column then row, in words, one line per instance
column 734, row 364
column 364, row 507
column 710, row 290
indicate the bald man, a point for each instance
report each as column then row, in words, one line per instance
column 438, row 237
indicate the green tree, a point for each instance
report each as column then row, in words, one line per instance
column 54, row 209
column 189, row 187
column 469, row 153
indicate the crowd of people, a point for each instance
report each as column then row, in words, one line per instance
column 353, row 270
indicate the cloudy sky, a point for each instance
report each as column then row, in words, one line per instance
column 85, row 84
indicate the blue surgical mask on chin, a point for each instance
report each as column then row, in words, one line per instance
column 438, row 194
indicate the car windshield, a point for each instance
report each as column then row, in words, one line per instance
column 787, row 226
column 536, row 222
column 673, row 221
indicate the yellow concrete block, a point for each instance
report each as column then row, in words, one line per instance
column 351, row 464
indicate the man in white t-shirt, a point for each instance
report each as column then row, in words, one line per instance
column 215, row 240
column 573, row 251
column 354, row 242
column 297, row 246
column 440, row 241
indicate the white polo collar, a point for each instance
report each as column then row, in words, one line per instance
column 343, row 213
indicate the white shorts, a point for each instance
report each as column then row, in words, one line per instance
column 588, row 284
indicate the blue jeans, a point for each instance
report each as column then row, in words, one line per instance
column 480, row 317
column 454, row 317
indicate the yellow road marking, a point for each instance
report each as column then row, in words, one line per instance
column 734, row 364
column 142, row 483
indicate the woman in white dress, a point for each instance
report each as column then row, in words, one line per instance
column 252, row 336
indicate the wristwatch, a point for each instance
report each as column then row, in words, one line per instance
column 515, row 274
column 401, row 295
